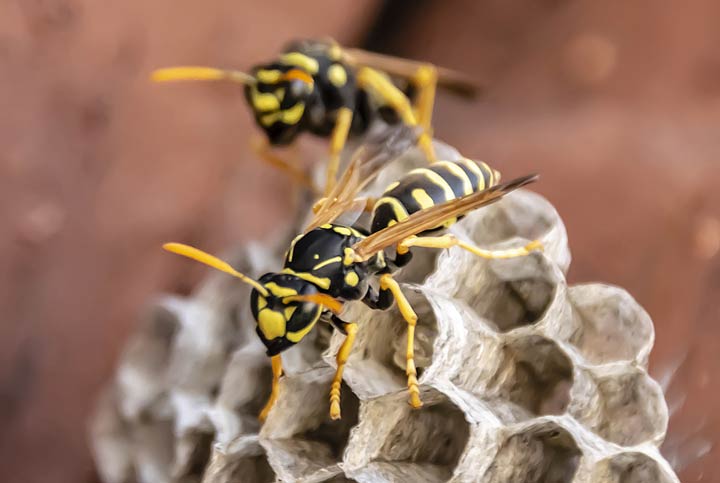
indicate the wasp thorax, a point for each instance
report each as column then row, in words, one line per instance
column 282, row 321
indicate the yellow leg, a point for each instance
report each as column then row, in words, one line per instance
column 341, row 358
column 337, row 143
column 263, row 151
column 277, row 371
column 374, row 81
column 425, row 81
column 389, row 283
column 447, row 241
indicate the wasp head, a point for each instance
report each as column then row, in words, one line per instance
column 279, row 98
column 287, row 312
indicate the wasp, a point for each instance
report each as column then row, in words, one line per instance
column 330, row 263
column 330, row 91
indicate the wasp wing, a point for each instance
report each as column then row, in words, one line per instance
column 432, row 217
column 449, row 79
column 364, row 165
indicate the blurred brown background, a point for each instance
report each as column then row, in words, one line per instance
column 616, row 103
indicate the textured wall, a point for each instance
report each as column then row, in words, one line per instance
column 616, row 104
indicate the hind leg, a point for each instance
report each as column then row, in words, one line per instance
column 407, row 312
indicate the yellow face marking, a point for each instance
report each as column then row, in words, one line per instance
column 264, row 101
column 329, row 261
column 437, row 180
column 422, row 198
column 459, row 173
column 398, row 208
column 293, row 115
column 352, row 279
column 298, row 335
column 271, row 324
column 321, row 282
column 268, row 76
column 279, row 291
column 289, row 116
column 289, row 311
column 301, row 60
column 343, row 230
column 261, row 303
column 337, row 75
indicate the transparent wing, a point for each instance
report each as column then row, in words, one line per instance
column 364, row 165
column 449, row 79
column 431, row 217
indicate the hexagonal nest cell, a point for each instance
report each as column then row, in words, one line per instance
column 523, row 378
column 541, row 454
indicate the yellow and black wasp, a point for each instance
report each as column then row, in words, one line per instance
column 331, row 91
column 331, row 263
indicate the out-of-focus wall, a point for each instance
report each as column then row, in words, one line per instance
column 616, row 104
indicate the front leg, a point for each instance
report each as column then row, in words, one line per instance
column 349, row 329
column 277, row 372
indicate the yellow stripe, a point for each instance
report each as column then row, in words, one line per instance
column 301, row 60
column 487, row 173
column 356, row 233
column 321, row 282
column 279, row 291
column 472, row 166
column 292, row 246
column 298, row 335
column 329, row 261
column 392, row 186
column 437, row 180
column 397, row 207
column 289, row 116
column 460, row 173
column 264, row 101
column 268, row 76
column 343, row 230
column 422, row 198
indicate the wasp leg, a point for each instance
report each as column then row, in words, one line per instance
column 374, row 81
column 425, row 81
column 448, row 240
column 389, row 283
column 264, row 151
column 337, row 143
column 277, row 371
column 341, row 358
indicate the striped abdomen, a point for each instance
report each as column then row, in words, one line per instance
column 422, row 188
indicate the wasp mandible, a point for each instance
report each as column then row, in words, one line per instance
column 331, row 91
column 329, row 263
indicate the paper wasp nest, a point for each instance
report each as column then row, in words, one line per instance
column 524, row 378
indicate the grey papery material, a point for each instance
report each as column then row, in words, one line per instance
column 523, row 378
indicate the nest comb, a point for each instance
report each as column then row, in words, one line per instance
column 524, row 379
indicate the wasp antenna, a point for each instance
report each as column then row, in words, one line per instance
column 193, row 73
column 214, row 262
column 331, row 303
